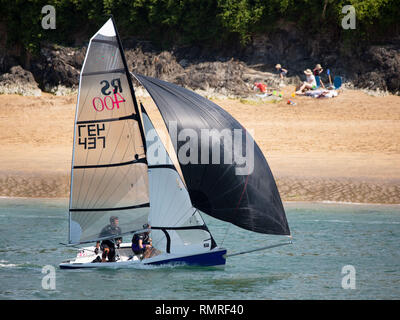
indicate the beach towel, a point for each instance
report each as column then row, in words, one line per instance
column 322, row 93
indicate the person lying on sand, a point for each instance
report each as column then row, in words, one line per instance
column 309, row 84
column 322, row 93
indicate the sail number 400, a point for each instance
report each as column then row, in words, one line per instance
column 100, row 103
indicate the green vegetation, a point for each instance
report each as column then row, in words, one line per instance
column 189, row 22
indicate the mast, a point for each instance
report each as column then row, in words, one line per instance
column 128, row 76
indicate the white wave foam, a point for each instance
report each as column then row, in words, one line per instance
column 335, row 221
column 357, row 222
column 4, row 264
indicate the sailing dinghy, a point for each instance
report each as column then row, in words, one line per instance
column 121, row 168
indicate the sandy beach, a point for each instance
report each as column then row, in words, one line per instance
column 341, row 149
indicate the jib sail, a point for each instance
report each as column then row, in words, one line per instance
column 177, row 227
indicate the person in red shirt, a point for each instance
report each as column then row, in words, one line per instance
column 317, row 72
column 261, row 86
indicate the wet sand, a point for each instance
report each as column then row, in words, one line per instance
column 344, row 149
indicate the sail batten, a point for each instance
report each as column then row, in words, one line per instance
column 130, row 117
column 144, row 205
column 143, row 160
column 96, row 73
column 110, row 42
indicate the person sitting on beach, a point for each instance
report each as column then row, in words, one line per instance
column 282, row 72
column 141, row 243
column 309, row 84
column 317, row 73
column 108, row 245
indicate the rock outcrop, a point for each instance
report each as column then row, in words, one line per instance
column 57, row 68
column 19, row 81
column 382, row 71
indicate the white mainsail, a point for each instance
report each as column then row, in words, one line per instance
column 109, row 166
column 177, row 227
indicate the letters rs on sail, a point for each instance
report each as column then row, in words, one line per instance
column 110, row 96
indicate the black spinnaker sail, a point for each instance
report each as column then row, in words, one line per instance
column 250, row 201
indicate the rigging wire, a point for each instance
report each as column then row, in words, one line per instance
column 226, row 232
column 258, row 249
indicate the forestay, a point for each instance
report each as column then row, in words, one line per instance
column 109, row 166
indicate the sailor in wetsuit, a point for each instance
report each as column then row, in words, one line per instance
column 141, row 242
column 108, row 245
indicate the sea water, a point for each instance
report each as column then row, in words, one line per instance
column 339, row 251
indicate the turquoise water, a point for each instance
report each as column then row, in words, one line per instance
column 327, row 237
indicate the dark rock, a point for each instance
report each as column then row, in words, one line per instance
column 379, row 69
column 58, row 66
column 233, row 72
column 220, row 77
column 7, row 61
column 372, row 81
column 159, row 65
column 19, row 81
